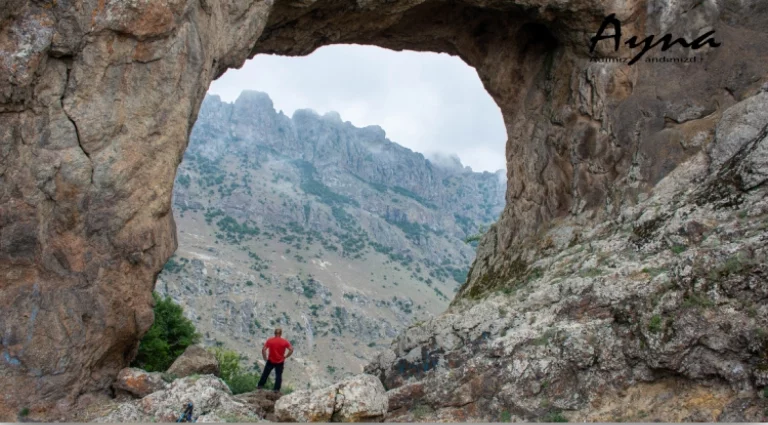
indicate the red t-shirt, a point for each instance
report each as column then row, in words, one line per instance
column 277, row 347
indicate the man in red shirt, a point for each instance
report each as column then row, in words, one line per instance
column 277, row 347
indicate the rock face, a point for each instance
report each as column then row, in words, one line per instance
column 97, row 100
column 656, row 315
column 195, row 360
column 138, row 383
column 212, row 400
column 360, row 398
column 262, row 402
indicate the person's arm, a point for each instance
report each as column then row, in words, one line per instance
column 264, row 352
column 290, row 351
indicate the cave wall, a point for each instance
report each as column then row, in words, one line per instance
column 97, row 99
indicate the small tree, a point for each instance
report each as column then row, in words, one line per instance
column 230, row 371
column 475, row 239
column 166, row 340
column 229, row 363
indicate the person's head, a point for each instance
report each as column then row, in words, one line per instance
column 278, row 332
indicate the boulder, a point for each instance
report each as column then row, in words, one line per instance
column 741, row 124
column 212, row 399
column 261, row 401
column 138, row 383
column 360, row 398
column 196, row 360
column 307, row 406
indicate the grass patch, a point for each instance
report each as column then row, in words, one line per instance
column 23, row 413
column 505, row 416
column 554, row 416
column 678, row 249
column 654, row 325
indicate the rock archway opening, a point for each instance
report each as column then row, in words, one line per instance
column 296, row 207
column 99, row 104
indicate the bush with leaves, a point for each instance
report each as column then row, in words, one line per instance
column 169, row 336
column 237, row 379
column 230, row 371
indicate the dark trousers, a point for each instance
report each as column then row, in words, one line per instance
column 278, row 367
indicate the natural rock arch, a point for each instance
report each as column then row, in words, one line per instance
column 97, row 99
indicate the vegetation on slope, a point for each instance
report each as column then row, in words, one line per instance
column 169, row 336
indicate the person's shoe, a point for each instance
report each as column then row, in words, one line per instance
column 276, row 391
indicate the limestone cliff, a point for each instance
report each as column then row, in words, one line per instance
column 97, row 100
column 657, row 314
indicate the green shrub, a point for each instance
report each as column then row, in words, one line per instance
column 229, row 363
column 24, row 412
column 237, row 379
column 694, row 300
column 168, row 377
column 535, row 274
column 655, row 324
column 243, row 382
column 473, row 239
column 505, row 416
column 169, row 336
column 555, row 416
column 183, row 180
column 678, row 249
column 173, row 266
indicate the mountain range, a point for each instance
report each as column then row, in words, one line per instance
column 333, row 232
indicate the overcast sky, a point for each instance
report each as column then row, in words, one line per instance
column 427, row 102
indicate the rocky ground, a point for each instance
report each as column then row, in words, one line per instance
column 193, row 378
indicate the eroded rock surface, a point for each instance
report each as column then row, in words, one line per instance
column 138, row 383
column 97, row 99
column 360, row 398
column 210, row 396
column 262, row 402
column 195, row 360
column 656, row 315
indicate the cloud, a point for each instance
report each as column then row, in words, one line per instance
column 428, row 102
